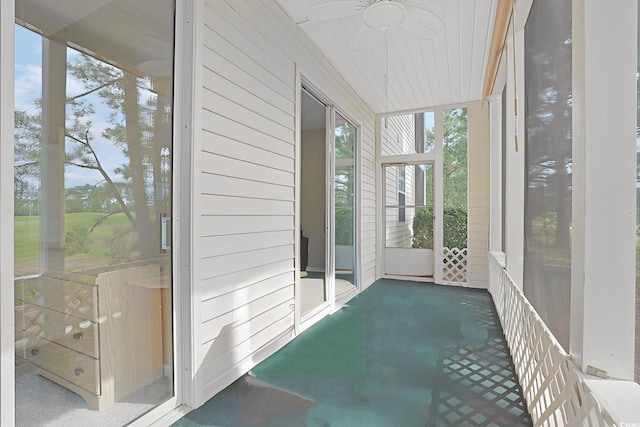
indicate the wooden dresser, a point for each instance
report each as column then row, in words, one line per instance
column 98, row 333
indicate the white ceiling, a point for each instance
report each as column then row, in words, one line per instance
column 127, row 32
column 448, row 69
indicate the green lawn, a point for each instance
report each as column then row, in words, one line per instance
column 27, row 233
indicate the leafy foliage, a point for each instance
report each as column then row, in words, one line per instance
column 77, row 240
column 344, row 183
column 455, row 185
column 455, row 220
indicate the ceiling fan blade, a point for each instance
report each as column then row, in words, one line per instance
column 334, row 10
column 365, row 37
column 421, row 23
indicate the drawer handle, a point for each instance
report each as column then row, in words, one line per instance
column 77, row 336
column 35, row 351
column 78, row 372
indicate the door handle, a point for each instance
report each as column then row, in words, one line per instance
column 165, row 220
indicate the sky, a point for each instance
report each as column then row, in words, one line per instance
column 28, row 88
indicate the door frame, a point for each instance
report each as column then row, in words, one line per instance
column 7, row 364
column 436, row 207
column 434, row 158
column 303, row 322
column 187, row 54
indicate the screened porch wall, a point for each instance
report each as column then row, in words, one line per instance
column 244, row 187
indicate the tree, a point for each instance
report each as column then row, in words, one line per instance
column 455, row 170
column 344, row 183
column 132, row 118
column 455, row 159
column 27, row 160
column 139, row 126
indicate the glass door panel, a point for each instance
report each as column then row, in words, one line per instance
column 313, row 204
column 93, row 178
column 344, row 207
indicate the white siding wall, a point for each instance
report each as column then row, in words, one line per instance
column 478, row 231
column 245, row 184
column 398, row 138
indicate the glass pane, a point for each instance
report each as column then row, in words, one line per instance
column 398, row 135
column 93, row 211
column 313, row 204
column 547, row 221
column 429, row 131
column 344, row 180
column 409, row 213
column 455, row 178
column 27, row 122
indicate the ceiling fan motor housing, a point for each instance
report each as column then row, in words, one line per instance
column 384, row 14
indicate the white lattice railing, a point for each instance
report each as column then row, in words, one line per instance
column 552, row 383
column 454, row 266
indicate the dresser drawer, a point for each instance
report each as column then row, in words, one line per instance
column 64, row 296
column 70, row 331
column 68, row 364
column 20, row 343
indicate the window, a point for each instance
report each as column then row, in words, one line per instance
column 401, row 195
column 93, row 176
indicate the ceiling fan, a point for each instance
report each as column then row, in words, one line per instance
column 378, row 17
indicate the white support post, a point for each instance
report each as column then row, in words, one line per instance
column 478, row 195
column 438, row 199
column 604, row 185
column 380, row 201
column 7, row 358
column 54, row 77
column 495, row 173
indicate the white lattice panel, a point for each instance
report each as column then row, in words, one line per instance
column 552, row 383
column 454, row 265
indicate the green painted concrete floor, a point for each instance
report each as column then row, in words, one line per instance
column 400, row 354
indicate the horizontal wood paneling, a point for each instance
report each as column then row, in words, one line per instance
column 231, row 205
column 234, row 130
column 225, row 264
column 240, row 113
column 247, row 151
column 254, row 310
column 215, row 225
column 225, row 88
column 229, row 186
column 220, row 285
column 228, row 49
column 245, row 187
column 244, row 303
column 241, row 358
column 251, row 171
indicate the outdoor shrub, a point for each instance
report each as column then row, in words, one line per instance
column 77, row 241
column 455, row 228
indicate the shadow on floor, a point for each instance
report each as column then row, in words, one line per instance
column 399, row 354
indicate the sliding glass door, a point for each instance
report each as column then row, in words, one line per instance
column 328, row 211
column 93, row 198
column 344, row 183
